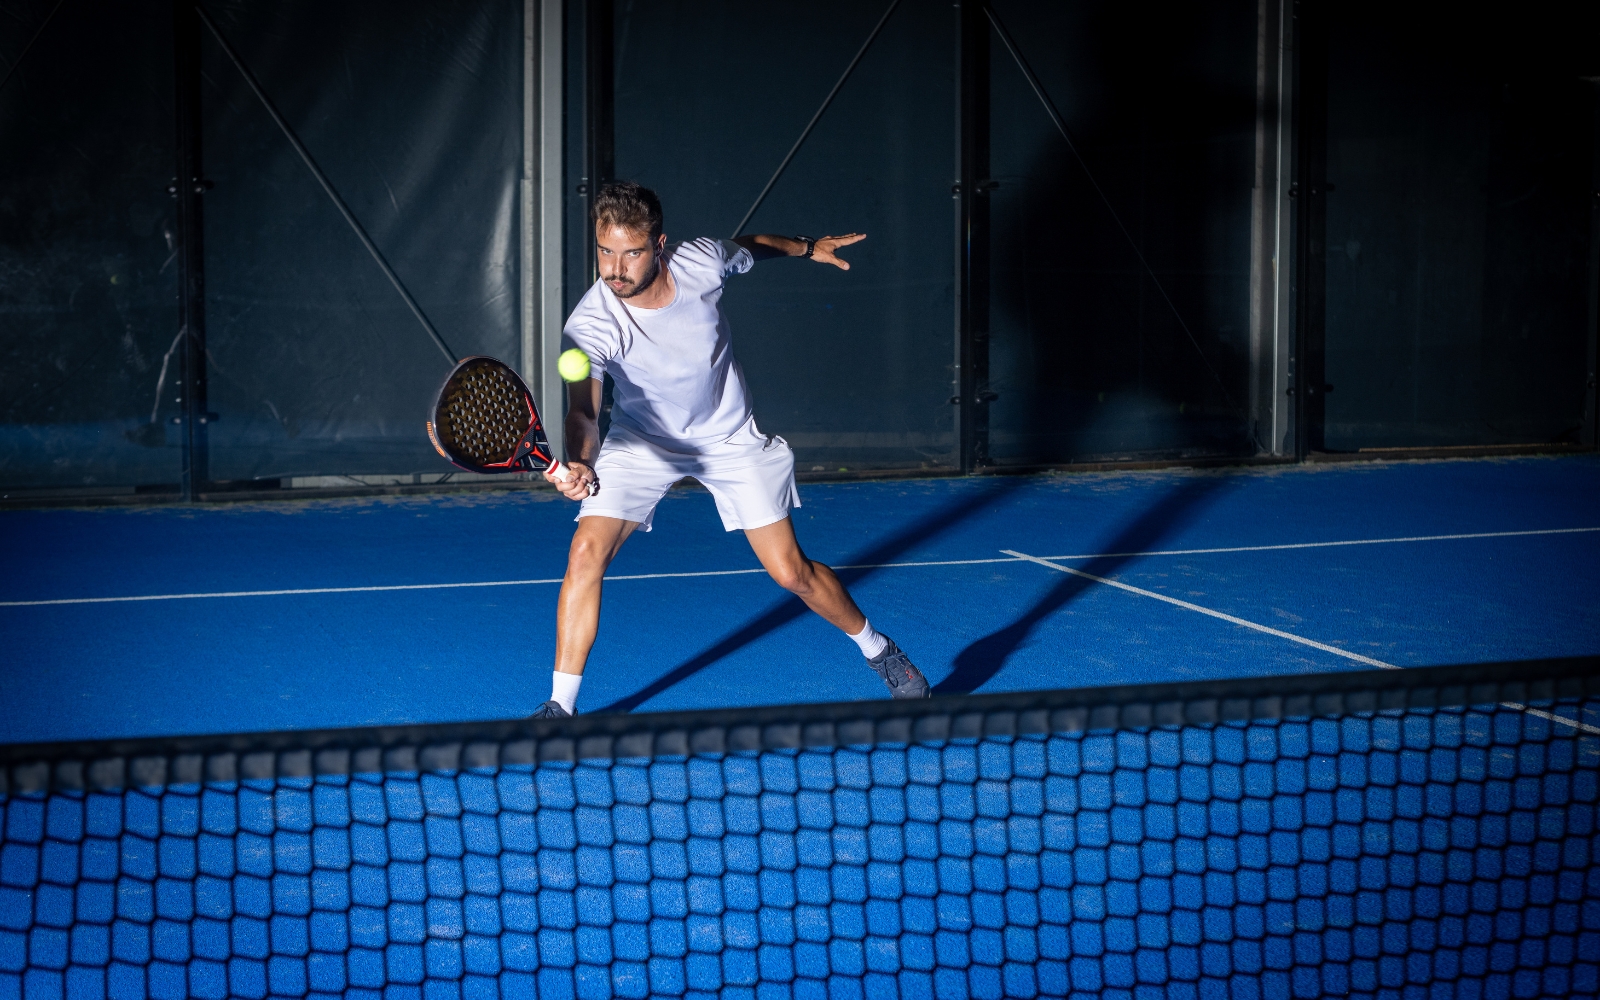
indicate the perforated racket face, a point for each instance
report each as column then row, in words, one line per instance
column 484, row 411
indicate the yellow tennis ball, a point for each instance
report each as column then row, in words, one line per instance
column 573, row 365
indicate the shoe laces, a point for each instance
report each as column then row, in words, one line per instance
column 895, row 667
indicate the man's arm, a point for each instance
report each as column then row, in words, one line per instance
column 582, row 436
column 765, row 246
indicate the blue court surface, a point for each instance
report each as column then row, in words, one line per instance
column 189, row 620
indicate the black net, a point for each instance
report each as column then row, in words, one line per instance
column 1422, row 834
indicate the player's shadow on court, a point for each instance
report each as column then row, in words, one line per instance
column 981, row 660
column 897, row 545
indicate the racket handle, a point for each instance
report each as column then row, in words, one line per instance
column 559, row 470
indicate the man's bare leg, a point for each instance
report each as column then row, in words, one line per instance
column 578, row 610
column 812, row 582
column 594, row 545
column 816, row 584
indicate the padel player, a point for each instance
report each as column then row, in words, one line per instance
column 654, row 323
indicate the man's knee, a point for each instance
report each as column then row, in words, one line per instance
column 794, row 576
column 589, row 556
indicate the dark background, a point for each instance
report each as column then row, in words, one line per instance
column 1087, row 359
column 851, row 367
column 88, row 289
column 317, row 365
column 1461, row 182
column 1456, row 268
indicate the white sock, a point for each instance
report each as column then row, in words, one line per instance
column 564, row 690
column 872, row 643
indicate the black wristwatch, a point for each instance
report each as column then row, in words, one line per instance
column 811, row 245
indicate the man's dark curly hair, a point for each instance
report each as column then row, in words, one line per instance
column 632, row 206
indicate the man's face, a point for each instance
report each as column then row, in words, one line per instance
column 629, row 261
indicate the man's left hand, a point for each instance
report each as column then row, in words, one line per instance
column 825, row 249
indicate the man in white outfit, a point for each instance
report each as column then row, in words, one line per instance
column 654, row 323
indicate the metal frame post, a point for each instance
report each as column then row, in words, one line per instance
column 971, row 376
column 1272, row 233
column 188, row 188
column 598, row 125
column 1307, row 365
column 528, row 279
column 542, row 172
column 1591, row 398
column 552, row 284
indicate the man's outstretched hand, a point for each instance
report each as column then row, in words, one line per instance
column 826, row 249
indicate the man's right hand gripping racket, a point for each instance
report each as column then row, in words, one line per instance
column 484, row 420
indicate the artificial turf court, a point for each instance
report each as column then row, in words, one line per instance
column 253, row 617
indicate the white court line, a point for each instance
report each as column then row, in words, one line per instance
column 1329, row 545
column 269, row 593
column 358, row 590
column 1548, row 716
column 937, row 562
column 1207, row 611
column 453, row 586
column 739, row 572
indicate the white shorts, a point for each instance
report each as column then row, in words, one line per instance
column 752, row 481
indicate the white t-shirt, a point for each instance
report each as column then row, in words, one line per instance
column 677, row 384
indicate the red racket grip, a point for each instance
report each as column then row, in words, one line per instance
column 559, row 470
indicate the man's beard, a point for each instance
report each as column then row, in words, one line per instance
column 629, row 289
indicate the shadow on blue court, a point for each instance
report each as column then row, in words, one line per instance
column 979, row 662
column 863, row 564
column 124, row 622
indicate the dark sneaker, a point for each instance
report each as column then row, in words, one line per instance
column 550, row 710
column 894, row 666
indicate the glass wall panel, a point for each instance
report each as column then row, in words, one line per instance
column 414, row 111
column 1459, row 193
column 88, row 284
column 1089, row 357
column 853, row 368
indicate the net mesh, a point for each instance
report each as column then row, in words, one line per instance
column 1388, row 839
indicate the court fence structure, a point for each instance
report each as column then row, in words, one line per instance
column 1420, row 833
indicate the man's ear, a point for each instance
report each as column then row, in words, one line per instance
column 661, row 243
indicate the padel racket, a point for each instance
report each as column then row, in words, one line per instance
column 484, row 420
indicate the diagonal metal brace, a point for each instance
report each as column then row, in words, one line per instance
column 29, row 47
column 327, row 186
column 816, row 117
column 1061, row 126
